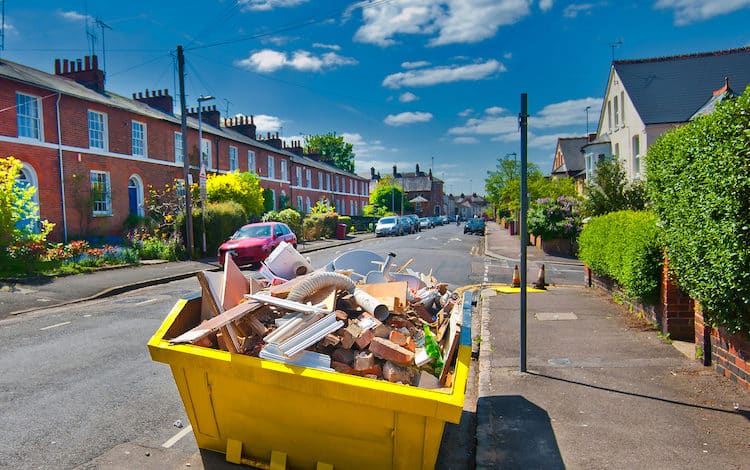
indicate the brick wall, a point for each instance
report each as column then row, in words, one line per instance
column 728, row 353
column 652, row 313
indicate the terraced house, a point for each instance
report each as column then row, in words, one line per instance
column 92, row 154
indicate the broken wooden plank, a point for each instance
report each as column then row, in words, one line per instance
column 234, row 285
column 216, row 323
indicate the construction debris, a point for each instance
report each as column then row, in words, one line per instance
column 361, row 314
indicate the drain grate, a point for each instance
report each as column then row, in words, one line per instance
column 551, row 316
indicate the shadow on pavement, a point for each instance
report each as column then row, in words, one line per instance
column 458, row 446
column 744, row 413
column 520, row 435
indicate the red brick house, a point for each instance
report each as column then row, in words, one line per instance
column 72, row 135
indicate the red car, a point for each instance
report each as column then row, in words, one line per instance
column 252, row 243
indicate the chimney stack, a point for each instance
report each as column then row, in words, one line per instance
column 243, row 125
column 209, row 115
column 86, row 72
column 158, row 100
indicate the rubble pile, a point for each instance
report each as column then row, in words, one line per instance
column 361, row 315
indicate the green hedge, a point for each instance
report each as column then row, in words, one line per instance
column 222, row 220
column 699, row 183
column 627, row 247
column 291, row 217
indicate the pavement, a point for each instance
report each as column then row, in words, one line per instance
column 600, row 390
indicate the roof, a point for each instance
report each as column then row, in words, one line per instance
column 70, row 87
column 412, row 183
column 573, row 159
column 672, row 89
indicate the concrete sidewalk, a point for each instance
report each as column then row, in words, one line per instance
column 601, row 391
column 40, row 293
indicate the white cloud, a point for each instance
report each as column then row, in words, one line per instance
column 508, row 55
column 265, row 5
column 490, row 125
column 415, row 65
column 572, row 10
column 265, row 123
column 332, row 47
column 269, row 60
column 465, row 140
column 548, row 142
column 466, row 112
column 447, row 21
column 691, row 11
column 408, row 97
column 74, row 16
column 495, row 110
column 545, row 5
column 277, row 40
column 407, row 118
column 566, row 113
column 444, row 74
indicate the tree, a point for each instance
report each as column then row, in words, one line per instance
column 388, row 195
column 610, row 192
column 503, row 186
column 243, row 188
column 332, row 149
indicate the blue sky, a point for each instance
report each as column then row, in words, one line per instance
column 429, row 82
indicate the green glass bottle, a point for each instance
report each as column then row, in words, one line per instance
column 433, row 350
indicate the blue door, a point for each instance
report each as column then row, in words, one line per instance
column 133, row 199
column 29, row 224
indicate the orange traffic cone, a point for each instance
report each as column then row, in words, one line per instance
column 516, row 282
column 540, row 282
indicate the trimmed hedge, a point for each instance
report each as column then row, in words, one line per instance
column 698, row 179
column 291, row 217
column 627, row 247
column 222, row 220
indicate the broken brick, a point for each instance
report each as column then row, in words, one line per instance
column 397, row 337
column 345, row 356
column 395, row 373
column 351, row 333
column 364, row 360
column 391, row 351
column 382, row 331
column 364, row 339
column 343, row 368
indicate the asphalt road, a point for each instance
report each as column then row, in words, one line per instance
column 79, row 390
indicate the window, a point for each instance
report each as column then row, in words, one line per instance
column 351, row 208
column 622, row 107
column 180, row 184
column 28, row 116
column 307, row 205
column 636, row 156
column 320, row 180
column 178, row 148
column 278, row 231
column 351, row 186
column 308, row 177
column 138, row 139
column 97, row 130
column 271, row 171
column 338, row 184
column 299, row 176
column 283, row 170
column 328, row 181
column 206, row 152
column 234, row 163
column 273, row 194
column 609, row 115
column 250, row 160
column 100, row 193
column 299, row 203
column 617, row 115
column 617, row 150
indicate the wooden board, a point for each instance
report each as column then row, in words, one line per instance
column 454, row 333
column 392, row 294
column 233, row 286
column 216, row 323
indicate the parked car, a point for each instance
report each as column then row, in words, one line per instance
column 407, row 225
column 414, row 218
column 426, row 222
column 252, row 243
column 390, row 225
column 474, row 226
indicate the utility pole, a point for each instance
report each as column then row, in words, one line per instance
column 587, row 120
column 523, row 121
column 185, row 158
column 202, row 174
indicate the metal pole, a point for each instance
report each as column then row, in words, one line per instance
column 185, row 159
column 202, row 172
column 524, row 210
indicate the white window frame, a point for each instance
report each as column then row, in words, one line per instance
column 617, row 112
column 308, row 177
column 271, row 171
column 338, row 183
column 298, row 174
column 178, row 155
column 308, row 207
column 273, row 195
column 622, row 107
column 104, row 137
column 328, row 181
column 206, row 153
column 636, row 143
column 138, row 144
column 234, row 163
column 284, row 171
column 102, row 207
column 299, row 203
column 251, row 160
column 320, row 180
column 34, row 123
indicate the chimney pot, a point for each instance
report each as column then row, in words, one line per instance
column 140, row 94
column 166, row 92
column 87, row 61
column 251, row 119
column 94, row 62
column 57, row 66
column 79, row 65
column 268, row 135
column 133, row 95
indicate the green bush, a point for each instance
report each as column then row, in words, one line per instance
column 317, row 226
column 291, row 217
column 626, row 246
column 699, row 183
column 346, row 220
column 222, row 220
column 555, row 218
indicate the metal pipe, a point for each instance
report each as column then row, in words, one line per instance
column 523, row 120
column 62, row 174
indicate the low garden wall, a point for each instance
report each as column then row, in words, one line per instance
column 728, row 353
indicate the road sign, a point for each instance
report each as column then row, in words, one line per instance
column 202, row 180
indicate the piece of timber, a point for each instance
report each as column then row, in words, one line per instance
column 286, row 304
column 216, row 323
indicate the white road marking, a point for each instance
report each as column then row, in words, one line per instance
column 174, row 439
column 149, row 301
column 54, row 326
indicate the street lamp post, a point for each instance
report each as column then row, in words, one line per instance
column 587, row 120
column 201, row 99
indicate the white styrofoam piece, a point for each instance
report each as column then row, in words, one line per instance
column 309, row 359
column 287, row 304
column 285, row 262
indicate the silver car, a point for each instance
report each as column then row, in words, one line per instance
column 390, row 225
